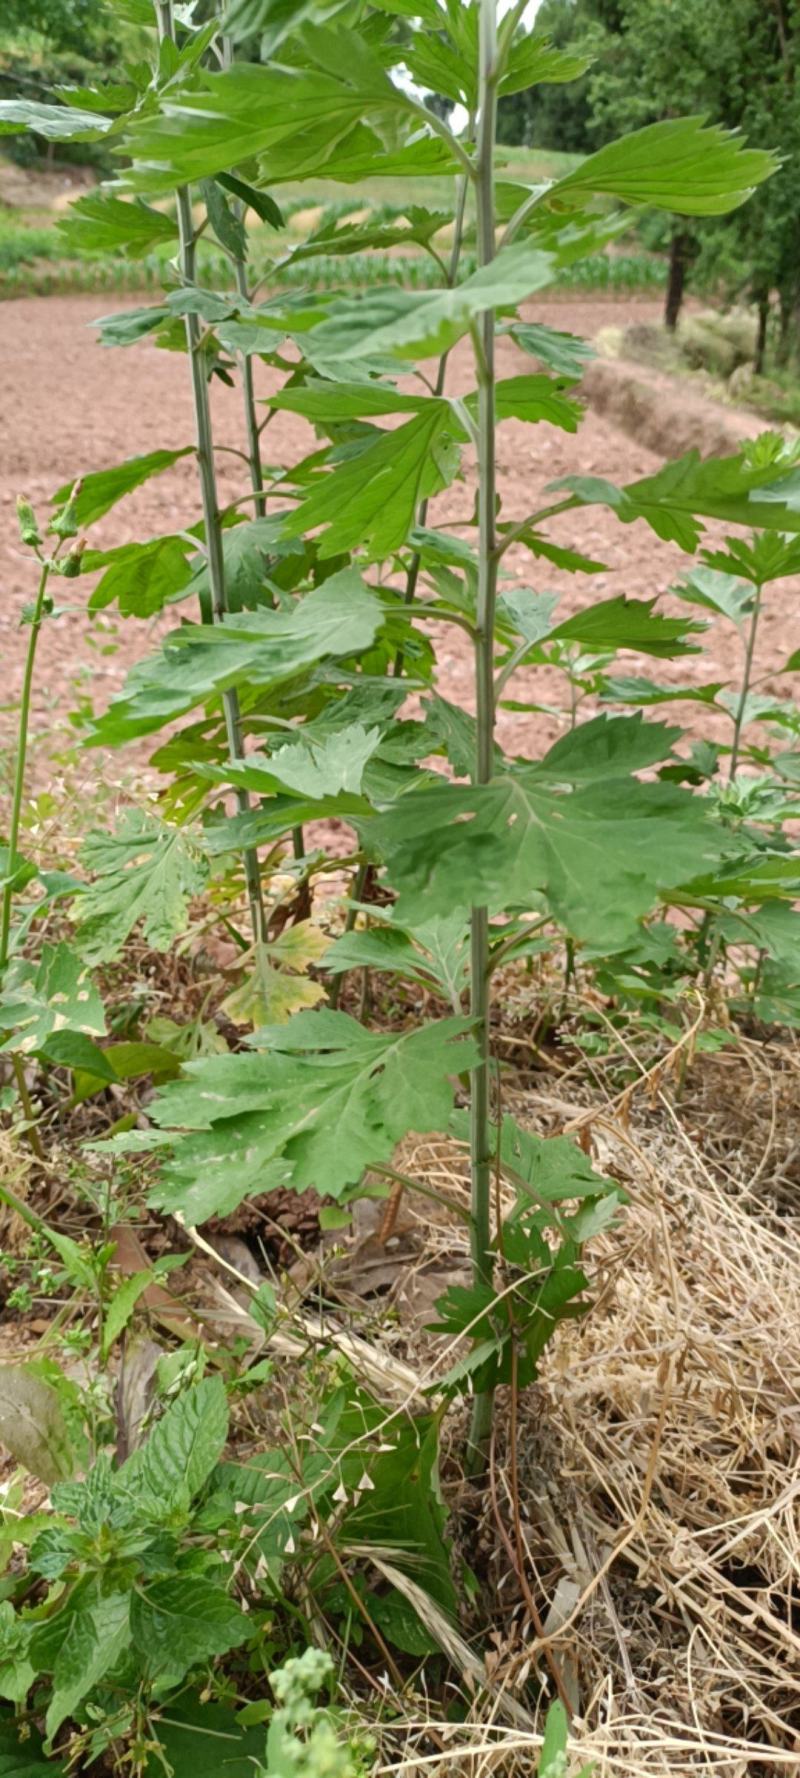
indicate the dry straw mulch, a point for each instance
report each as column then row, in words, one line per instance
column 659, row 1459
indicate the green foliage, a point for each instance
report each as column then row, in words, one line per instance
column 320, row 585
column 322, row 1101
column 146, row 871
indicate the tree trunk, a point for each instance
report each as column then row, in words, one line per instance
column 679, row 253
column 761, row 336
column 789, row 333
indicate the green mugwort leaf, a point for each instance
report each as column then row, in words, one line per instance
column 98, row 222
column 417, row 324
column 55, row 995
column 263, row 647
column 601, row 853
column 321, row 1100
column 102, row 488
column 682, row 164
column 141, row 578
column 56, row 123
column 146, row 871
column 371, row 500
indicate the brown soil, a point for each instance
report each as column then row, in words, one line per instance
column 71, row 406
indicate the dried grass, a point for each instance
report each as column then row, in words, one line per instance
column 659, row 1457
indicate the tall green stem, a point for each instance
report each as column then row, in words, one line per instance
column 250, row 417
column 248, row 388
column 22, row 755
column 741, row 708
column 462, row 189
column 208, row 489
column 480, row 1132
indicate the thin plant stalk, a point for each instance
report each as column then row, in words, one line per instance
column 483, row 338
column 248, row 386
column 249, row 400
column 208, row 489
column 13, row 834
column 252, row 427
column 21, row 760
column 462, row 188
column 747, row 675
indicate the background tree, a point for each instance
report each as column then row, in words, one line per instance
column 731, row 59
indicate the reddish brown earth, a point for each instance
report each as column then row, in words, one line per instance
column 71, row 406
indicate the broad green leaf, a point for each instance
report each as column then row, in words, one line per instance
column 70, row 1049
column 97, row 222
column 717, row 592
column 672, row 502
column 536, row 398
column 101, row 489
column 287, row 118
column 335, row 237
column 248, row 551
column 97, row 1635
column 601, row 855
column 323, row 1097
column 357, row 155
column 57, row 123
column 544, row 1169
column 402, row 1510
column 265, row 207
column 371, row 500
column 533, row 61
column 56, row 994
column 563, row 353
column 267, row 1483
column 224, row 221
column 32, row 1424
column 769, row 876
column 146, row 872
column 273, row 20
column 310, row 768
column 133, row 1059
column 263, row 647
column 681, row 164
column 436, row 953
column 636, row 690
column 178, row 1622
column 324, row 401
column 16, row 1673
column 125, row 327
column 418, row 324
column 774, row 929
column 629, row 623
column 175, row 1462
column 110, row 97
column 436, row 64
column 530, row 614
column 141, row 577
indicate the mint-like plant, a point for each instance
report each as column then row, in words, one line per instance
column 317, row 582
